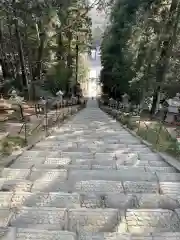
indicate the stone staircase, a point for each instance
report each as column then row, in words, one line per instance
column 90, row 180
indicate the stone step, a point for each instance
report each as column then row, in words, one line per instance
column 97, row 163
column 13, row 233
column 50, row 185
column 36, row 234
column 62, row 219
column 48, row 174
column 49, row 218
column 11, row 174
column 124, row 174
column 45, row 199
column 129, row 236
column 29, row 163
column 93, row 220
column 137, row 221
column 15, row 185
column 88, row 200
column 142, row 221
column 102, row 187
column 152, row 163
column 31, row 154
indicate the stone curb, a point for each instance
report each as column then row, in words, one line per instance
column 16, row 154
column 167, row 158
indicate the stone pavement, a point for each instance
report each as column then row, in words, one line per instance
column 90, row 180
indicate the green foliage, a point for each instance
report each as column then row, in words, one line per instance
column 11, row 143
column 38, row 37
column 57, row 78
column 138, row 46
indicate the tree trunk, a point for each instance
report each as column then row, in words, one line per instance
column 167, row 44
column 3, row 61
column 20, row 48
column 60, row 48
column 69, row 61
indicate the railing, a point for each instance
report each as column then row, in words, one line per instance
column 153, row 131
column 45, row 117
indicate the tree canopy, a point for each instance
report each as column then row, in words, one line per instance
column 140, row 47
column 41, row 43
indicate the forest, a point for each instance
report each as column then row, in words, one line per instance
column 42, row 44
column 140, row 50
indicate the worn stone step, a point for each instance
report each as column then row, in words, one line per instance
column 150, row 156
column 57, row 161
column 15, row 185
column 7, row 233
column 30, row 154
column 93, row 220
column 129, row 236
column 169, row 188
column 141, row 187
column 111, row 175
column 48, row 174
column 151, row 220
column 9, row 173
column 103, row 187
column 40, row 218
column 76, row 155
column 33, row 234
column 55, row 143
column 89, row 200
column 98, row 186
column 161, row 169
column 152, row 163
column 45, row 199
column 153, row 201
column 168, row 177
column 50, row 185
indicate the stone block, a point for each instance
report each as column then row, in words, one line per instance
column 161, row 169
column 99, row 186
column 11, row 174
column 150, row 201
column 166, row 236
column 77, row 155
column 48, row 175
column 36, row 234
column 53, row 199
column 8, row 233
column 58, row 161
column 168, row 177
column 151, row 220
column 39, row 218
column 141, row 187
column 120, row 200
column 50, row 186
column 149, row 156
column 91, row 200
column 93, row 220
column 17, row 185
column 129, row 159
column 169, row 188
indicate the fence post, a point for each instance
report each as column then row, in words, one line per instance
column 46, row 119
column 158, row 135
column 25, row 131
column 24, row 122
column 56, row 111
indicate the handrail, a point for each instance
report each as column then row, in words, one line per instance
column 45, row 119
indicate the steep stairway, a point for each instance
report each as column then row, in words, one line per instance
column 90, row 180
